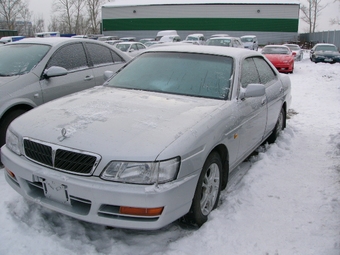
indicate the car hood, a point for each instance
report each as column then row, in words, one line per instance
column 6, row 79
column 126, row 124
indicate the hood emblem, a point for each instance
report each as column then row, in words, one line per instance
column 63, row 134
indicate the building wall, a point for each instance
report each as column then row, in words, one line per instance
column 235, row 19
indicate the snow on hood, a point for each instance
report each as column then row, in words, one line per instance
column 115, row 121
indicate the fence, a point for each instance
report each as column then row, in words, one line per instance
column 308, row 40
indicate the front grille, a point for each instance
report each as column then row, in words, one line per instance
column 61, row 158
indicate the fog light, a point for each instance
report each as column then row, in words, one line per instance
column 141, row 211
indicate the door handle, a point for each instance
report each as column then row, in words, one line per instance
column 88, row 77
column 264, row 100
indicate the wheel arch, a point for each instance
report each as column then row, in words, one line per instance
column 26, row 107
column 222, row 150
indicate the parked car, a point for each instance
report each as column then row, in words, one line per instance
column 162, row 33
column 325, row 52
column 250, row 42
column 145, row 40
column 155, row 143
column 131, row 48
column 170, row 38
column 225, row 41
column 281, row 57
column 36, row 70
column 113, row 42
column 107, row 38
column 195, row 38
column 219, row 35
column 297, row 49
column 128, row 39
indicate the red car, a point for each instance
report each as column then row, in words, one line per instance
column 281, row 57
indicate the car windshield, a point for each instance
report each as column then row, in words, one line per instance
column 219, row 42
column 18, row 59
column 192, row 38
column 189, row 74
column 293, row 47
column 123, row 47
column 275, row 50
column 247, row 39
column 326, row 48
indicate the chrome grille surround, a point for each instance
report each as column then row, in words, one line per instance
column 60, row 158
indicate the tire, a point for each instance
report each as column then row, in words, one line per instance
column 6, row 120
column 207, row 192
column 280, row 125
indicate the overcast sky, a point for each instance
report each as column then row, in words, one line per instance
column 43, row 9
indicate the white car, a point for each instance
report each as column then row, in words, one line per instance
column 195, row 38
column 155, row 143
column 250, row 42
column 131, row 48
column 226, row 41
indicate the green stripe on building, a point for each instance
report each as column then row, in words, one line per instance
column 202, row 24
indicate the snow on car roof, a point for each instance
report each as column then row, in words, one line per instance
column 206, row 49
column 49, row 40
column 183, row 2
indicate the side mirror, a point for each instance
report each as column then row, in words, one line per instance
column 54, row 71
column 252, row 90
column 107, row 75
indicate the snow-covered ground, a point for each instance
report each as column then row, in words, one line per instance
column 284, row 201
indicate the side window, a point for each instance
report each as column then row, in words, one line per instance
column 266, row 73
column 140, row 46
column 249, row 73
column 71, row 57
column 133, row 47
column 99, row 54
column 116, row 57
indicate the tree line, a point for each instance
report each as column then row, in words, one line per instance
column 69, row 17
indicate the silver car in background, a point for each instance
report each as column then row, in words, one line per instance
column 297, row 49
column 226, row 41
column 155, row 143
column 37, row 70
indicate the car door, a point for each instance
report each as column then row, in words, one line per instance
column 274, row 91
column 103, row 59
column 252, row 111
column 72, row 57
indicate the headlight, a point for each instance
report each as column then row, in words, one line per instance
column 142, row 172
column 12, row 142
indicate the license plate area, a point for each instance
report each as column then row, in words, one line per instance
column 56, row 191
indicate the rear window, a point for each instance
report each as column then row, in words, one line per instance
column 189, row 74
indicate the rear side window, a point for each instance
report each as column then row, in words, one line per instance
column 72, row 57
column 266, row 73
column 249, row 73
column 101, row 55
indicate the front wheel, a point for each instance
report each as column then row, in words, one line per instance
column 280, row 125
column 207, row 192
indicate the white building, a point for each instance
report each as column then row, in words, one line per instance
column 272, row 21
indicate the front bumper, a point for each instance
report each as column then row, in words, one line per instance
column 326, row 59
column 97, row 201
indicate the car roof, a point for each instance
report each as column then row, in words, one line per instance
column 325, row 44
column 250, row 36
column 223, row 37
column 276, row 46
column 206, row 49
column 50, row 40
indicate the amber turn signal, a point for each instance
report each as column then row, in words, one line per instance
column 141, row 211
column 10, row 173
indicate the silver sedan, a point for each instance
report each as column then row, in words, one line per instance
column 36, row 70
column 155, row 143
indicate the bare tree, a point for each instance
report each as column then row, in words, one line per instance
column 80, row 22
column 10, row 12
column 26, row 25
column 93, row 8
column 65, row 7
column 336, row 20
column 38, row 25
column 311, row 13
